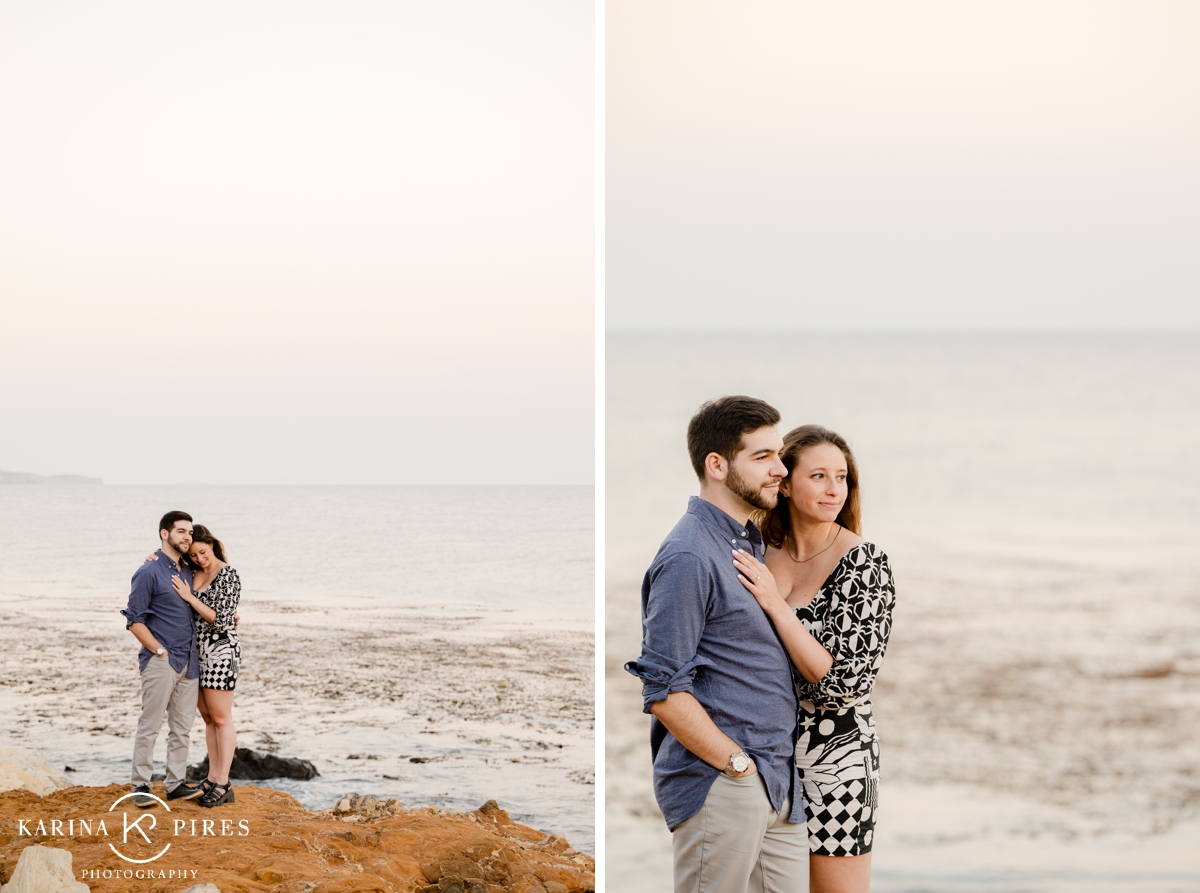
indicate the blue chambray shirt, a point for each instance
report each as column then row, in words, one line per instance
column 154, row 602
column 704, row 633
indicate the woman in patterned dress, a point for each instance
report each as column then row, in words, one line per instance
column 217, row 591
column 829, row 594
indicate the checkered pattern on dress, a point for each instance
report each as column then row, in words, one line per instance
column 220, row 660
column 838, row 758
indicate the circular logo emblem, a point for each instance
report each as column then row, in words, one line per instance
column 141, row 827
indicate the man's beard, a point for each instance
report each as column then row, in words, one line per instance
column 757, row 498
column 178, row 545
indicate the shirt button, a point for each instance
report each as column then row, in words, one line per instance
column 733, row 542
column 743, row 533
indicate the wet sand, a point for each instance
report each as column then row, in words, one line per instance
column 1037, row 710
column 444, row 706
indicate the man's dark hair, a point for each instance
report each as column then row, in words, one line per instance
column 718, row 426
column 168, row 520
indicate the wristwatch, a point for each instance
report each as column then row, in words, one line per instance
column 738, row 764
column 161, row 651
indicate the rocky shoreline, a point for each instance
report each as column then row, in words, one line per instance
column 267, row 842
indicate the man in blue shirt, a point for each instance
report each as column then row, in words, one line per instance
column 716, row 678
column 169, row 662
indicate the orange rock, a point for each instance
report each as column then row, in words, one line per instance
column 269, row 843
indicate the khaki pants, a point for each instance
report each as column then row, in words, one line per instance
column 164, row 692
column 737, row 843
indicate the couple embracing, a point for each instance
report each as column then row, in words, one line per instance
column 182, row 609
column 765, row 616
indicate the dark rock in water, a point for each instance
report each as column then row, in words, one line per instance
column 252, row 765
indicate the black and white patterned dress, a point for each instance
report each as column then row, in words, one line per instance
column 837, row 752
column 220, row 650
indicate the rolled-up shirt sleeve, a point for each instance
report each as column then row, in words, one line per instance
column 675, row 596
column 138, row 608
column 856, row 634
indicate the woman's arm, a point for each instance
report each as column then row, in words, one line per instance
column 227, row 592
column 185, row 593
column 808, row 655
column 860, row 622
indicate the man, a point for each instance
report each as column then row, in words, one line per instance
column 169, row 661
column 715, row 676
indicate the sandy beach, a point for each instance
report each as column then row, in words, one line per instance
column 1039, row 702
column 433, row 707
column 1038, row 711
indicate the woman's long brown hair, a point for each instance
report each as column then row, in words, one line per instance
column 201, row 534
column 778, row 523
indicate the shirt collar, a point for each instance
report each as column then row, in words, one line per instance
column 710, row 514
column 167, row 558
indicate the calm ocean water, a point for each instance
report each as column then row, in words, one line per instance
column 987, row 431
column 522, row 551
column 1040, row 498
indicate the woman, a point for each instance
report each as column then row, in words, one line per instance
column 217, row 591
column 829, row 594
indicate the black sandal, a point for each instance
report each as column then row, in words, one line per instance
column 218, row 794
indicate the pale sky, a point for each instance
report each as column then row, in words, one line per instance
column 903, row 166
column 289, row 242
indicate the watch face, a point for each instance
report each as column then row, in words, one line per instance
column 741, row 762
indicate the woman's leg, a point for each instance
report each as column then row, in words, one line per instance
column 210, row 736
column 220, row 708
column 839, row 874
